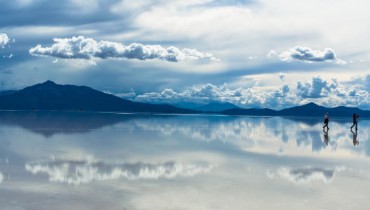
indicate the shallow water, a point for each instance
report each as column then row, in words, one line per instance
column 71, row 160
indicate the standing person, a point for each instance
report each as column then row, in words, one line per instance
column 326, row 121
column 355, row 116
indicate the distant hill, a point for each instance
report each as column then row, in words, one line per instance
column 310, row 109
column 216, row 107
column 52, row 96
column 5, row 92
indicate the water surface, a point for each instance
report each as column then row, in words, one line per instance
column 72, row 160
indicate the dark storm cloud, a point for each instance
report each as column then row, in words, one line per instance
column 87, row 48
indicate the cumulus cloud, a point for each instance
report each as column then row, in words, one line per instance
column 4, row 40
column 272, row 53
column 309, row 55
column 317, row 88
column 81, row 172
column 324, row 92
column 207, row 93
column 282, row 92
column 306, row 175
column 88, row 48
column 200, row 94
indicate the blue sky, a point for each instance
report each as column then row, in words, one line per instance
column 257, row 53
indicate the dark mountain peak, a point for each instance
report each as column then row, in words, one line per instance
column 45, row 85
column 48, row 83
column 311, row 104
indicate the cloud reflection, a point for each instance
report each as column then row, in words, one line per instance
column 268, row 135
column 81, row 172
column 306, row 175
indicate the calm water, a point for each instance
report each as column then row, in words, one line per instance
column 56, row 160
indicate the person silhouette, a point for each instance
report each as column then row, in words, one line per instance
column 355, row 141
column 326, row 137
column 326, row 121
column 355, row 116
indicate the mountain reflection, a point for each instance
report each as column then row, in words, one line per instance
column 48, row 123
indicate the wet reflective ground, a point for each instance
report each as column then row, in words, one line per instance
column 71, row 160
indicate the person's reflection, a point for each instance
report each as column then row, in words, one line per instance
column 355, row 142
column 326, row 137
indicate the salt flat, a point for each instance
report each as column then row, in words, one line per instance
column 60, row 160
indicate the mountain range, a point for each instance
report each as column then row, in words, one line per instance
column 310, row 109
column 52, row 96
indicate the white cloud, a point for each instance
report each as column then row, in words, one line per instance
column 1, row 177
column 198, row 94
column 4, row 40
column 341, row 62
column 230, row 31
column 330, row 93
column 87, row 48
column 308, row 55
column 282, row 92
column 306, row 175
column 315, row 89
column 203, row 94
column 272, row 53
column 81, row 172
column 234, row 30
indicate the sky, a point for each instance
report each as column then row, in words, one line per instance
column 252, row 53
